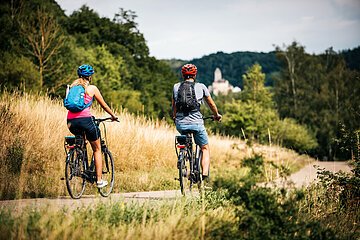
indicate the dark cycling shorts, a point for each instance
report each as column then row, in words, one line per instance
column 78, row 126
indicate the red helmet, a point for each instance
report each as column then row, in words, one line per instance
column 189, row 70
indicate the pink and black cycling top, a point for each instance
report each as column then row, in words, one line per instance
column 84, row 113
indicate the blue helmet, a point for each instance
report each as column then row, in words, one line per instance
column 85, row 70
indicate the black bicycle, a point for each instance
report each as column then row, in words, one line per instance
column 78, row 169
column 189, row 161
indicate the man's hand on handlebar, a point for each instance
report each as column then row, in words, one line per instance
column 218, row 117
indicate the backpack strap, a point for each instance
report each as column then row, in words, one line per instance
column 194, row 97
column 92, row 99
column 89, row 103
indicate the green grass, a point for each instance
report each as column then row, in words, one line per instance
column 225, row 214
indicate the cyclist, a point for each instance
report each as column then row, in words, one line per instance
column 81, row 122
column 193, row 120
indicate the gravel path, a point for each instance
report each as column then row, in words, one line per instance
column 301, row 178
column 308, row 173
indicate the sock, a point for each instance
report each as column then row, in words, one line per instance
column 205, row 178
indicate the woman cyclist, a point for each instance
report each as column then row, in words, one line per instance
column 82, row 121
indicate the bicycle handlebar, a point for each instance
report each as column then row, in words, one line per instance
column 99, row 120
column 211, row 117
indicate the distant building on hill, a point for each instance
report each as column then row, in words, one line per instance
column 221, row 85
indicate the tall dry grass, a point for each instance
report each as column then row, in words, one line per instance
column 33, row 158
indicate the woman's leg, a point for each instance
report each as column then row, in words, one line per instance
column 96, row 147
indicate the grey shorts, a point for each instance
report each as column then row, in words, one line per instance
column 200, row 134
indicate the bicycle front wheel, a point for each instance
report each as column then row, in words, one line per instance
column 107, row 173
column 74, row 168
column 184, row 172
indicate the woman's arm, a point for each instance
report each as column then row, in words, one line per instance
column 99, row 98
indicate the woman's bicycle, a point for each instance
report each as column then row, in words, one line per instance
column 78, row 169
column 189, row 161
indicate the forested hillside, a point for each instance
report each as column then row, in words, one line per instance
column 41, row 49
column 232, row 65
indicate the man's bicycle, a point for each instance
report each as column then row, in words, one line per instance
column 78, row 168
column 189, row 161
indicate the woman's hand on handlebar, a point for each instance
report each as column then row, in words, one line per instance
column 115, row 118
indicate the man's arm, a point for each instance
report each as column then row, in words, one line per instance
column 213, row 107
column 173, row 108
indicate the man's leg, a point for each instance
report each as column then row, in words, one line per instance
column 205, row 160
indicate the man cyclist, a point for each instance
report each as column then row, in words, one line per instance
column 193, row 120
column 80, row 122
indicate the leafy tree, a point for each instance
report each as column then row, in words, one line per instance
column 352, row 58
column 44, row 40
column 255, row 115
column 323, row 86
column 290, row 134
column 254, row 87
column 250, row 117
column 146, row 78
column 293, row 57
column 18, row 72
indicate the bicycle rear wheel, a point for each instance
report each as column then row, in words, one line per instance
column 74, row 168
column 107, row 173
column 184, row 172
column 199, row 171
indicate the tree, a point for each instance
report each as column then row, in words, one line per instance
column 18, row 72
column 293, row 56
column 254, row 87
column 250, row 117
column 254, row 114
column 44, row 39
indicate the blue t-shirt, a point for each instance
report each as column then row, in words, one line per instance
column 194, row 117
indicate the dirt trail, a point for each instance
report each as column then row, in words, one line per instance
column 300, row 178
column 308, row 173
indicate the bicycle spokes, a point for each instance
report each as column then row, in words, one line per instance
column 75, row 183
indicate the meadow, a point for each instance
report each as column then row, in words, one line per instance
column 33, row 157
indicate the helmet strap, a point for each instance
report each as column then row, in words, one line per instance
column 187, row 77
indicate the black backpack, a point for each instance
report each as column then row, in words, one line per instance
column 186, row 100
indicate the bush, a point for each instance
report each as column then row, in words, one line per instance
column 295, row 136
column 265, row 213
column 18, row 72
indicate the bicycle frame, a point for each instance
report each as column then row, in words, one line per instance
column 79, row 168
column 79, row 144
column 185, row 143
column 185, row 153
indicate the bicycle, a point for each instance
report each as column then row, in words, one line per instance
column 187, row 158
column 78, row 170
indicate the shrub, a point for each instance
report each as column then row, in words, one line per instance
column 295, row 136
column 265, row 213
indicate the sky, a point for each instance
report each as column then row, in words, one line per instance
column 185, row 29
